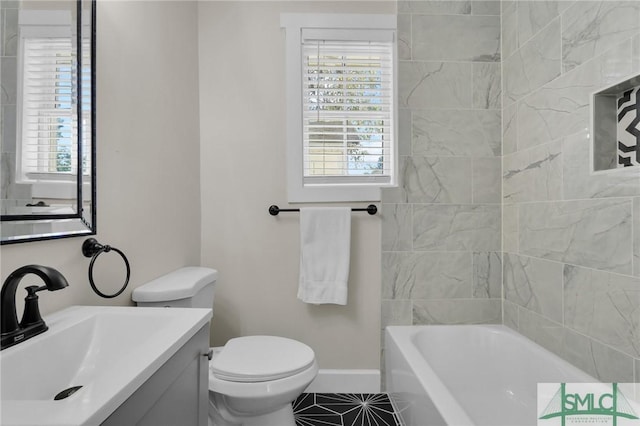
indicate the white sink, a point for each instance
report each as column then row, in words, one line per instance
column 109, row 351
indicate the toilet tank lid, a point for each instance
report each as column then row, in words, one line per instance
column 179, row 284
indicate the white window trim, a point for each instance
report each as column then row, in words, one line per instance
column 297, row 191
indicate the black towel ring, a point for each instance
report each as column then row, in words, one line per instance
column 92, row 248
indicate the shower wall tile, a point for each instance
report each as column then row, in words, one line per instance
column 396, row 227
column 534, row 284
column 465, row 311
column 5, row 166
column 510, row 242
column 510, row 314
column 460, row 133
column 441, row 226
column 485, row 7
column 437, row 179
column 487, row 85
column 635, row 53
column 487, row 275
column 537, row 62
column 636, row 236
column 460, row 38
column 411, row 275
column 9, row 32
column 563, row 5
column 395, row 194
column 435, row 84
column 599, row 360
column 533, row 174
column 603, row 306
column 509, row 129
column 9, row 133
column 533, row 16
column 16, row 194
column 593, row 27
column 456, row 227
column 593, row 233
column 3, row 12
column 551, row 114
column 404, row 37
column 396, row 312
column 404, row 132
column 580, row 182
column 509, row 31
column 571, row 237
column 487, row 180
column 561, row 108
column 9, row 74
column 435, row 7
column 12, row 194
column 548, row 334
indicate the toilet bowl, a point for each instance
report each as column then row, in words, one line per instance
column 252, row 379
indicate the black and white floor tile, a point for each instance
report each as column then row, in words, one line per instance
column 344, row 409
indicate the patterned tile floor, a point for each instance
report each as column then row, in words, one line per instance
column 344, row 409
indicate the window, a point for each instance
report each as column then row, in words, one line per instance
column 340, row 106
column 47, row 86
column 47, row 113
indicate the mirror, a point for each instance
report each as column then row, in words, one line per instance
column 47, row 137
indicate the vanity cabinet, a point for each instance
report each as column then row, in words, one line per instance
column 176, row 394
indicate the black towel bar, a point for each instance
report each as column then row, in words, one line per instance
column 371, row 209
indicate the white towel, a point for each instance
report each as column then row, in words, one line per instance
column 325, row 240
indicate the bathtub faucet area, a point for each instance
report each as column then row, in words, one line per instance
column 32, row 323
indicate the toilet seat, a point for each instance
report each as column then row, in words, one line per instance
column 253, row 359
column 258, row 390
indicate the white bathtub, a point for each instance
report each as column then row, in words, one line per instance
column 469, row 374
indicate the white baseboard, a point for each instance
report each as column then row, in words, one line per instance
column 345, row 381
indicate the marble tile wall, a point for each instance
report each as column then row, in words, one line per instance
column 11, row 193
column 441, row 243
column 8, row 69
column 570, row 236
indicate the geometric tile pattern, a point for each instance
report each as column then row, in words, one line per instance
column 344, row 409
column 628, row 130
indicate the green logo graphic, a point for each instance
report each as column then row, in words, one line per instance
column 564, row 405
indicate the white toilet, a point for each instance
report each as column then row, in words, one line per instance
column 252, row 380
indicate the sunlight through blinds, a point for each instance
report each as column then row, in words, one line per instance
column 348, row 132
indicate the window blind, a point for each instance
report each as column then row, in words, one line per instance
column 85, row 105
column 348, row 103
column 49, row 111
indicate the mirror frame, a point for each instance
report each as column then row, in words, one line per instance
column 88, row 221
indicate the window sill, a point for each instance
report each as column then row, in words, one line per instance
column 335, row 193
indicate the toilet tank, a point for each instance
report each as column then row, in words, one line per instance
column 188, row 287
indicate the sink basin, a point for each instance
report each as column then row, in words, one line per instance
column 108, row 351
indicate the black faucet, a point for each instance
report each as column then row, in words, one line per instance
column 32, row 323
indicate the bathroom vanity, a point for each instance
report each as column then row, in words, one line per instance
column 176, row 394
column 110, row 366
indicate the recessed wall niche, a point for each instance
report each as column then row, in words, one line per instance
column 615, row 122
